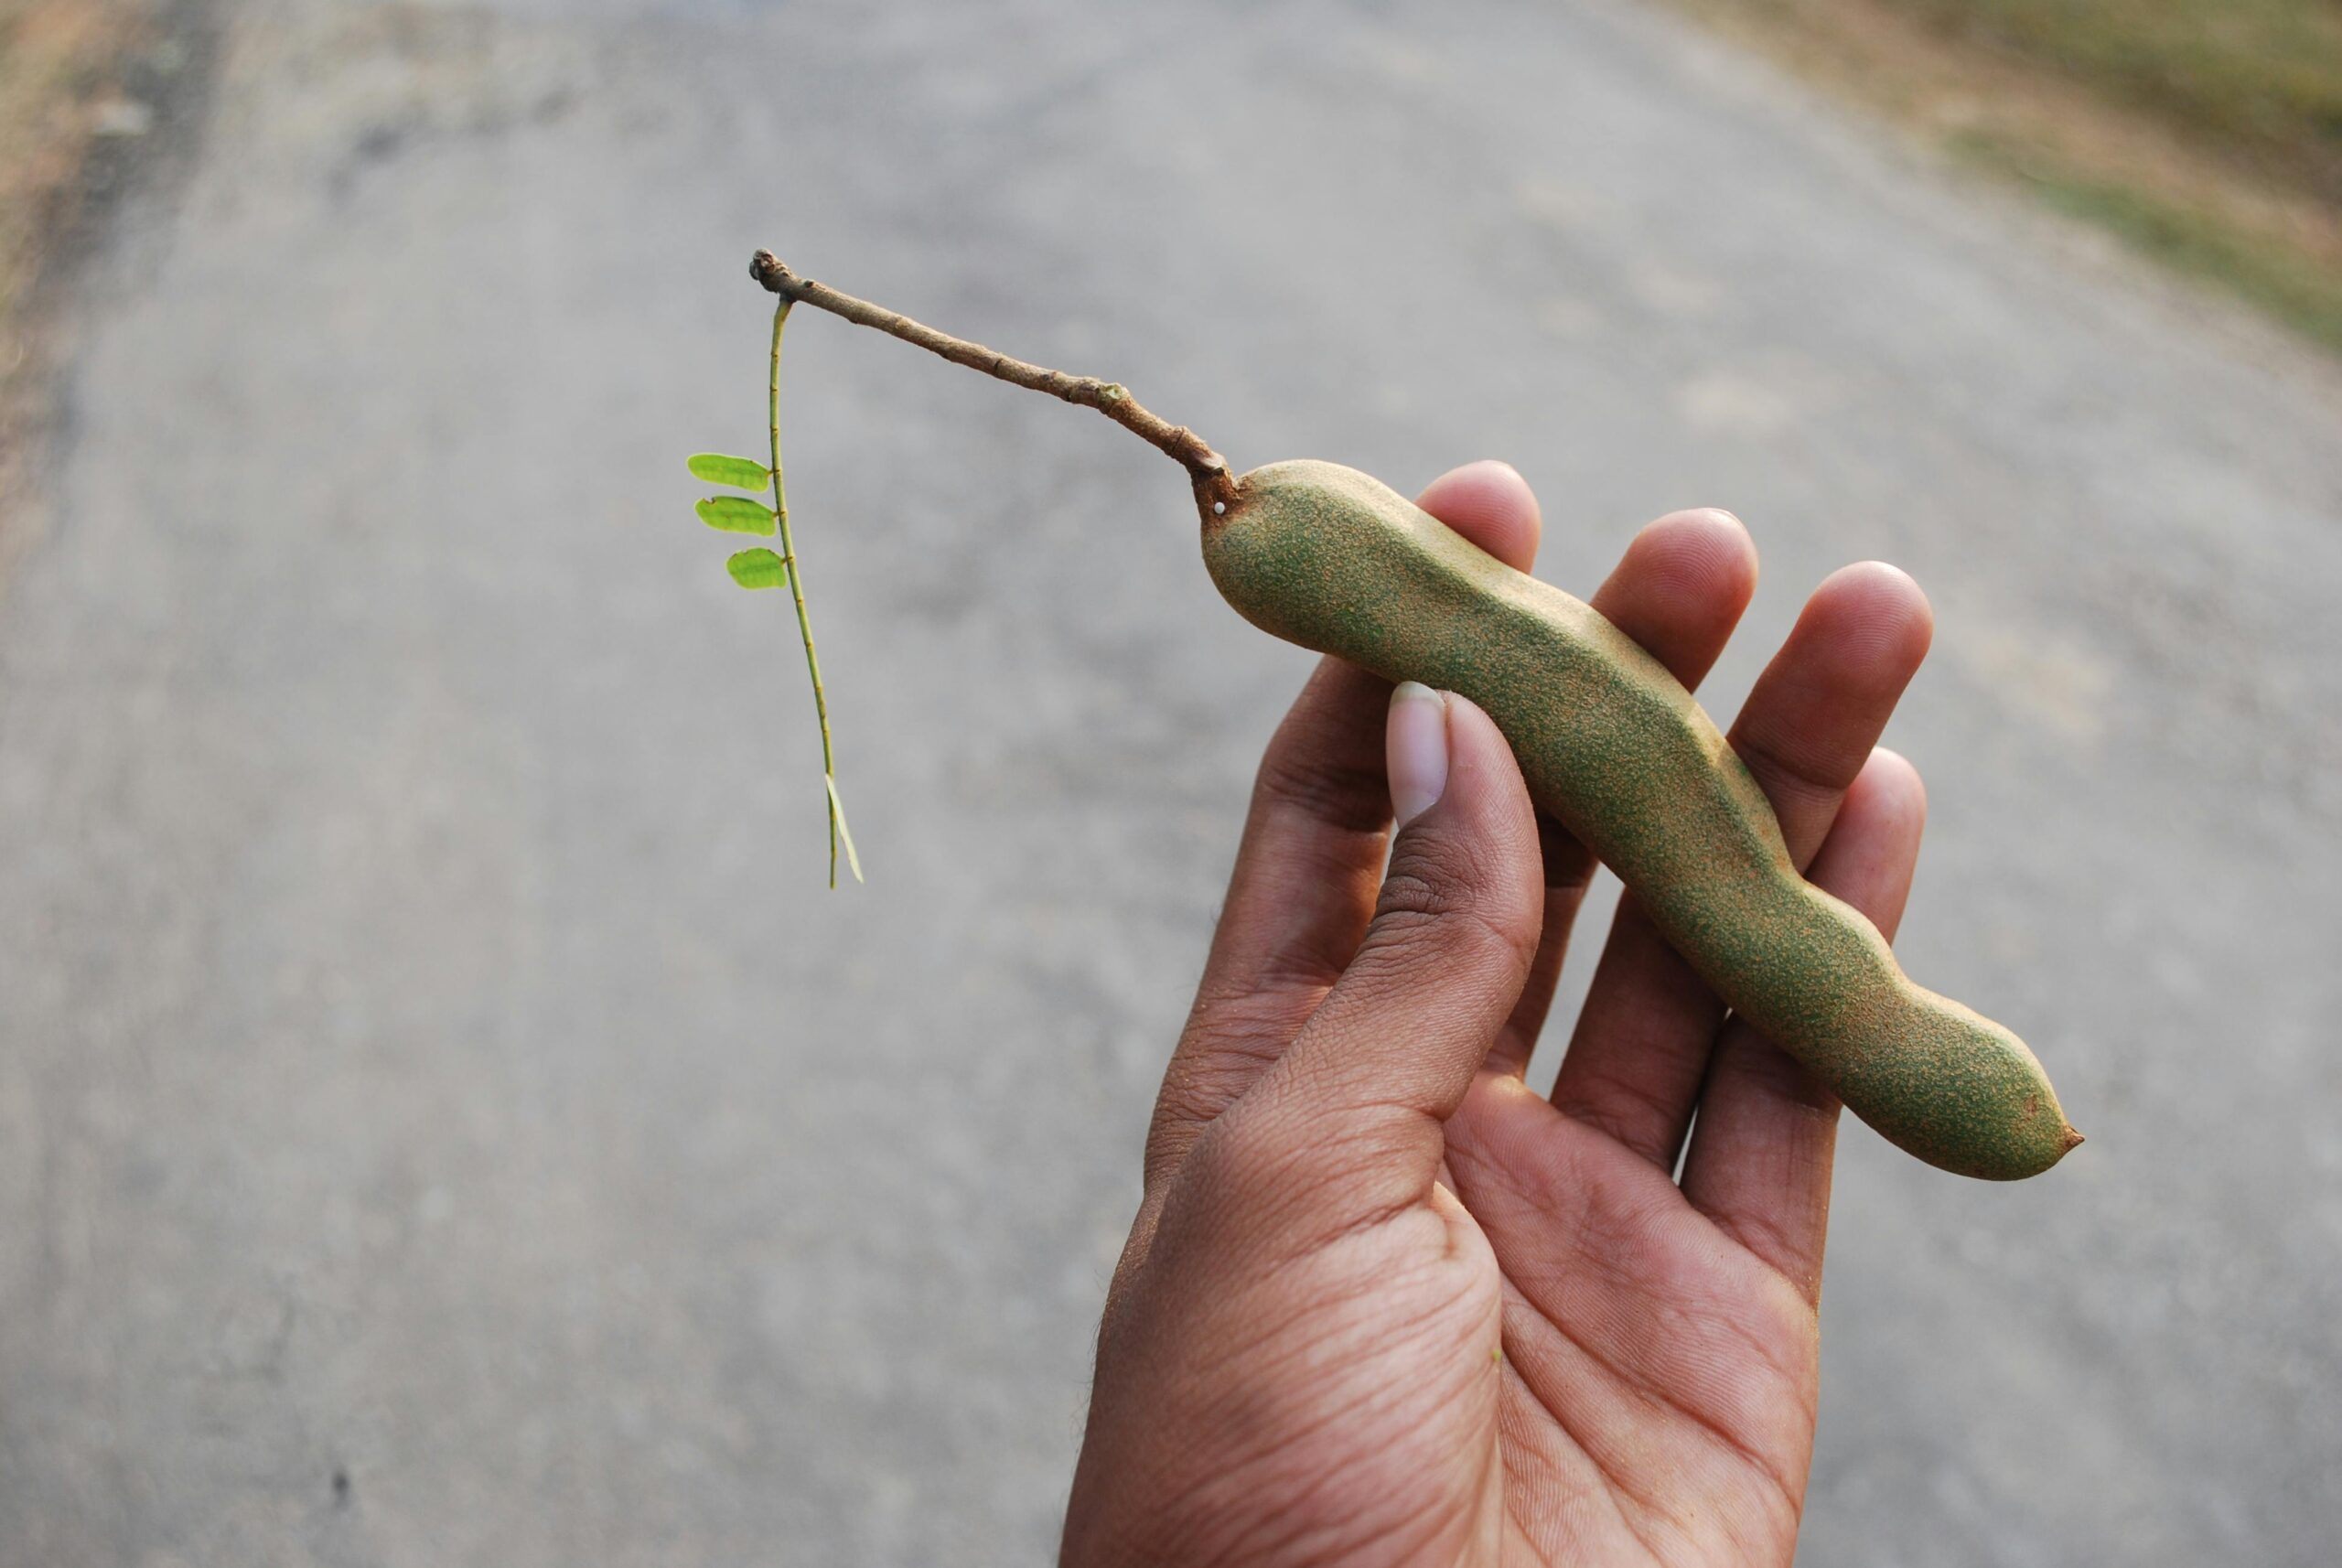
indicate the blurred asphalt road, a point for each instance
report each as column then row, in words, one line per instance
column 444, row 1121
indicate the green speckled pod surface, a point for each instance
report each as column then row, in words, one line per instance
column 1614, row 748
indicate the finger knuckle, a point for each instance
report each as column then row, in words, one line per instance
column 1239, row 1159
column 1440, row 896
column 1355, row 799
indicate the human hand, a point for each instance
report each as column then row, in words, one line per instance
column 1384, row 1304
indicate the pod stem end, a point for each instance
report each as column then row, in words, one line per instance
column 1181, row 445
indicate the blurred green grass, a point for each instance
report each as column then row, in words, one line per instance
column 60, row 62
column 2281, row 280
column 2261, row 78
column 56, row 59
column 2205, row 134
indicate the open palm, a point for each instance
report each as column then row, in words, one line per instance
column 1382, row 1301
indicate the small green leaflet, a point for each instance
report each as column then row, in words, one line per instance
column 741, row 473
column 758, row 568
column 736, row 514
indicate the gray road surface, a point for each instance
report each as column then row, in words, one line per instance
column 442, row 1120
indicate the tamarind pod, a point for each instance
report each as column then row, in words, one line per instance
column 1613, row 747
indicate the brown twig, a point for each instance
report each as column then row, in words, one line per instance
column 1183, row 446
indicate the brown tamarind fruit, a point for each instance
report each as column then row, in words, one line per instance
column 1617, row 750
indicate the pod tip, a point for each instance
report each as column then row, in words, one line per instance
column 2073, row 1139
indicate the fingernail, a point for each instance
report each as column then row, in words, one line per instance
column 1415, row 744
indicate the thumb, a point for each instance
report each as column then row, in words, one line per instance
column 1391, row 1052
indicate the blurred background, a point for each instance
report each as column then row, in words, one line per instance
column 443, row 1118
